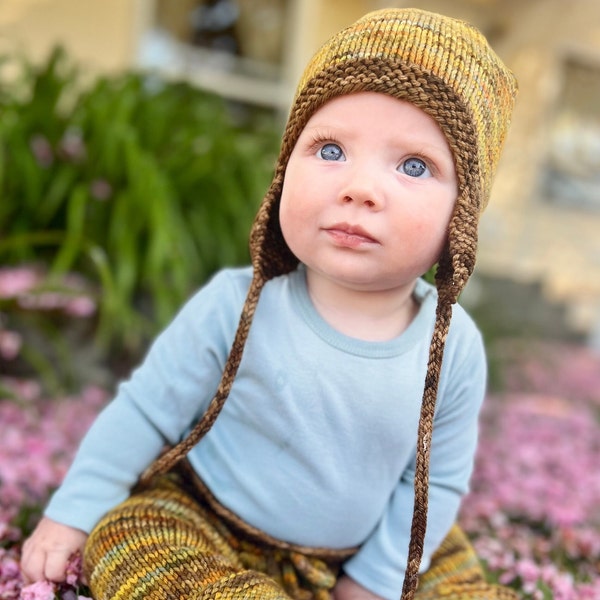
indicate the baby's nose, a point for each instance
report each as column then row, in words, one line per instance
column 368, row 202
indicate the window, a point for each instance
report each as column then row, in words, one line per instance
column 572, row 174
column 235, row 48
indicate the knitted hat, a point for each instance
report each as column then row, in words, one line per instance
column 446, row 68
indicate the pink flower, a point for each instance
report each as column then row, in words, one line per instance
column 16, row 281
column 10, row 344
column 73, row 305
column 72, row 146
column 534, row 509
column 529, row 572
column 25, row 285
column 80, row 306
column 41, row 150
column 74, row 570
column 41, row 590
column 101, row 189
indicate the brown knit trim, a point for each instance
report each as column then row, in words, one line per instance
column 201, row 492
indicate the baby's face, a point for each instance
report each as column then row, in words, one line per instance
column 368, row 192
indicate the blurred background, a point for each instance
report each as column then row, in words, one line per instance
column 137, row 138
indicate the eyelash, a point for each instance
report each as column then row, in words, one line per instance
column 425, row 159
column 319, row 140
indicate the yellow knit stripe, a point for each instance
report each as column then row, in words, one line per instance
column 450, row 49
column 162, row 544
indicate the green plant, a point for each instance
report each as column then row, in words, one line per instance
column 144, row 186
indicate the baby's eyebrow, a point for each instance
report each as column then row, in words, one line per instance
column 439, row 151
column 327, row 124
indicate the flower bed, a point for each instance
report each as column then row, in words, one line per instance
column 39, row 438
column 534, row 509
column 533, row 513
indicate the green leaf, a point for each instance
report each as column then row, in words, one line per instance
column 71, row 246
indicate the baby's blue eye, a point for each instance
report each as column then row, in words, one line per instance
column 415, row 167
column 331, row 152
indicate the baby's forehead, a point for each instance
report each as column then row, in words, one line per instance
column 371, row 109
column 366, row 101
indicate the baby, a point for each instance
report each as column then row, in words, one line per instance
column 306, row 457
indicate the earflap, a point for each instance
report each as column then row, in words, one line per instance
column 269, row 252
column 457, row 261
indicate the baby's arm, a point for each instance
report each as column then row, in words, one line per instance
column 48, row 549
column 347, row 589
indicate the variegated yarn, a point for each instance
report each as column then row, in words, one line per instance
column 445, row 67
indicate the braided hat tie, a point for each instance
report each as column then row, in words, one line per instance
column 446, row 68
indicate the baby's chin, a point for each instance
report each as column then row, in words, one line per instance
column 353, row 280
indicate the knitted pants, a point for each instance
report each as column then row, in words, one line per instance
column 163, row 543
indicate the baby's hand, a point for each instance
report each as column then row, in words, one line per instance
column 48, row 549
column 347, row 589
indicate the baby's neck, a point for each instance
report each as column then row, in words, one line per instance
column 373, row 316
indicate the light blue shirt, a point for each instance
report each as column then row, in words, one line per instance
column 316, row 442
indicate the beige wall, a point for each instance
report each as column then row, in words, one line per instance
column 104, row 34
column 101, row 34
column 314, row 21
column 522, row 234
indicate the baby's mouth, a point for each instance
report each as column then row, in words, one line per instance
column 351, row 236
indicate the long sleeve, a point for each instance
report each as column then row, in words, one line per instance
column 164, row 396
column 380, row 563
